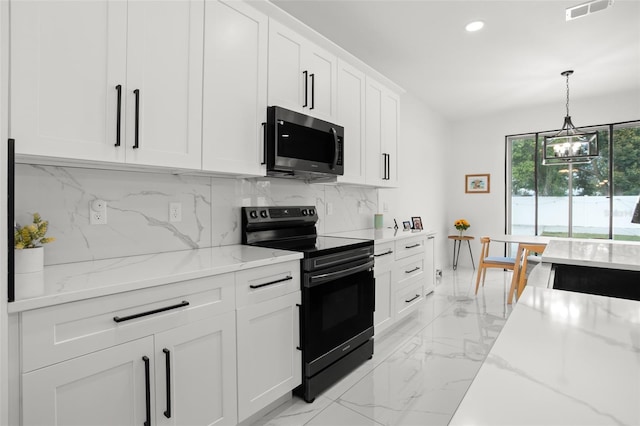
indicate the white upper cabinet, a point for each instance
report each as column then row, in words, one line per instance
column 302, row 76
column 381, row 133
column 351, row 115
column 66, row 60
column 235, row 88
column 164, row 66
column 108, row 80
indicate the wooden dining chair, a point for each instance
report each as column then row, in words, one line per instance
column 523, row 268
column 487, row 261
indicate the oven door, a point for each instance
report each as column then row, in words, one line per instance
column 338, row 304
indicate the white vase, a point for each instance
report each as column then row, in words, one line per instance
column 29, row 272
column 29, row 260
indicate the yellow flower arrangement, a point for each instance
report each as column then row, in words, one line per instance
column 32, row 235
column 461, row 224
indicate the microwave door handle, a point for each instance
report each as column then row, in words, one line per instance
column 336, row 149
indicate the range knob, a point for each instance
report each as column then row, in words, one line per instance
column 253, row 214
column 264, row 214
column 312, row 212
column 304, row 212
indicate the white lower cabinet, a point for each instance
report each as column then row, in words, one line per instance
column 404, row 276
column 268, row 333
column 179, row 354
column 195, row 373
column 106, row 387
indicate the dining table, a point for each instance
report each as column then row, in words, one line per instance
column 521, row 240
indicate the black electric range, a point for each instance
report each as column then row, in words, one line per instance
column 338, row 291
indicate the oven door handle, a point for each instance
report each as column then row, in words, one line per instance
column 322, row 278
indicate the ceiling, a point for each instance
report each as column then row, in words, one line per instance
column 515, row 61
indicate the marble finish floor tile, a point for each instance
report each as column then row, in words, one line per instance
column 422, row 366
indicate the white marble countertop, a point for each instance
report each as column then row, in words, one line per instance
column 595, row 253
column 381, row 235
column 563, row 358
column 76, row 281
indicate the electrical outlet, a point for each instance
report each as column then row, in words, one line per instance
column 385, row 207
column 329, row 209
column 360, row 207
column 175, row 212
column 98, row 212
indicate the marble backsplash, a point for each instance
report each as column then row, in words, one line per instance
column 138, row 209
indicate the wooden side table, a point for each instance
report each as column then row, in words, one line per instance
column 457, row 240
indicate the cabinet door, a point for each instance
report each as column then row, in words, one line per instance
column 198, row 385
column 350, row 114
column 235, row 88
column 107, row 387
column 287, row 84
column 269, row 365
column 390, row 110
column 384, row 303
column 66, row 59
column 373, row 133
column 321, row 84
column 164, row 64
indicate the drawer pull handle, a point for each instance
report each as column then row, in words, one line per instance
column 383, row 254
column 412, row 299
column 155, row 311
column 147, row 389
column 167, row 354
column 412, row 270
column 271, row 282
column 413, row 246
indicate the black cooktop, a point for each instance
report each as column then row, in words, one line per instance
column 319, row 246
column 292, row 228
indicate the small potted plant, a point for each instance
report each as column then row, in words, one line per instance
column 461, row 225
column 28, row 240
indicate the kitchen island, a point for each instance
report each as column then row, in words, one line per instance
column 563, row 358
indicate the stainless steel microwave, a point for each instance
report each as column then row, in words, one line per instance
column 297, row 145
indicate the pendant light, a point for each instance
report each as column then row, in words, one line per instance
column 570, row 145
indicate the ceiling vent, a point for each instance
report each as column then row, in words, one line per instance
column 587, row 8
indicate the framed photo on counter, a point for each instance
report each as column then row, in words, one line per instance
column 417, row 222
column 406, row 225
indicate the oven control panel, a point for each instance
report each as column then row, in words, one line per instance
column 279, row 214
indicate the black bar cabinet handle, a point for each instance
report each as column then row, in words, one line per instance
column 136, row 145
column 264, row 144
column 413, row 298
column 155, row 311
column 336, row 147
column 413, row 246
column 147, row 386
column 412, row 270
column 167, row 354
column 306, row 78
column 271, row 282
column 299, row 307
column 383, row 254
column 118, row 114
column 384, row 172
column 388, row 166
column 313, row 90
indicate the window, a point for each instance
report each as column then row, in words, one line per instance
column 594, row 200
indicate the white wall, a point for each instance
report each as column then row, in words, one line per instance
column 478, row 146
column 421, row 172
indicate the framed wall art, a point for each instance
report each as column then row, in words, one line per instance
column 477, row 183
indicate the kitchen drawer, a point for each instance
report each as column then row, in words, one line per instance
column 409, row 270
column 408, row 298
column 259, row 284
column 61, row 332
column 409, row 246
column 384, row 254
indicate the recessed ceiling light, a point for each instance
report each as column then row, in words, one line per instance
column 474, row 26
